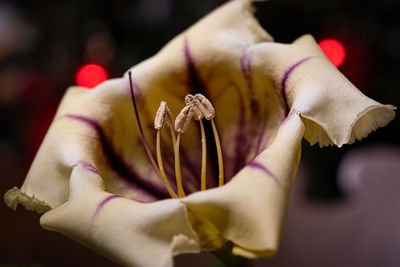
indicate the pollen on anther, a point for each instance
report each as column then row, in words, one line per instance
column 183, row 119
column 163, row 115
column 202, row 107
column 209, row 111
column 198, row 113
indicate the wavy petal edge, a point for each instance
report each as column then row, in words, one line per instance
column 15, row 196
column 367, row 121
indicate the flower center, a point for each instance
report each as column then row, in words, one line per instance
column 197, row 107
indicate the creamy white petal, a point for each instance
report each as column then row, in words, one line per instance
column 266, row 96
column 128, row 232
column 334, row 110
column 250, row 209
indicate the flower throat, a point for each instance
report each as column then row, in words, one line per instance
column 197, row 107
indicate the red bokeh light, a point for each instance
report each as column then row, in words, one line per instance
column 91, row 75
column 333, row 50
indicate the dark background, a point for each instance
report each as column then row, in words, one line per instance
column 331, row 222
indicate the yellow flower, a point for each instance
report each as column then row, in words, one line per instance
column 92, row 177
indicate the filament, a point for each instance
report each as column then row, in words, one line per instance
column 161, row 165
column 203, row 156
column 219, row 153
column 181, row 192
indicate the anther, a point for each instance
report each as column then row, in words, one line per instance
column 199, row 112
column 163, row 116
column 207, row 107
column 183, row 119
column 197, row 107
column 202, row 107
column 209, row 114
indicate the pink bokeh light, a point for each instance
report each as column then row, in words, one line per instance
column 91, row 75
column 334, row 51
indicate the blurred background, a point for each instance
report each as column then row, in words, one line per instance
column 345, row 206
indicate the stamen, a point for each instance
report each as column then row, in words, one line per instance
column 198, row 114
column 202, row 107
column 207, row 108
column 210, row 116
column 146, row 146
column 183, row 119
column 203, row 156
column 178, row 175
column 196, row 107
column 181, row 123
column 219, row 153
column 163, row 116
column 208, row 112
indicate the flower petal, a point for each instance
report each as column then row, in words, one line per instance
column 14, row 196
column 131, row 233
column 266, row 97
column 221, row 70
column 250, row 209
column 333, row 109
column 97, row 127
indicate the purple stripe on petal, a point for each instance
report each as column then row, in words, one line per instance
column 286, row 77
column 241, row 137
column 198, row 86
column 89, row 167
column 258, row 122
column 117, row 163
column 101, row 205
column 250, row 134
column 245, row 66
column 261, row 134
column 257, row 165
column 195, row 83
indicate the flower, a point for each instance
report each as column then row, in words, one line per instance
column 92, row 177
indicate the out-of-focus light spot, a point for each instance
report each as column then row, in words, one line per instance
column 333, row 50
column 91, row 75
